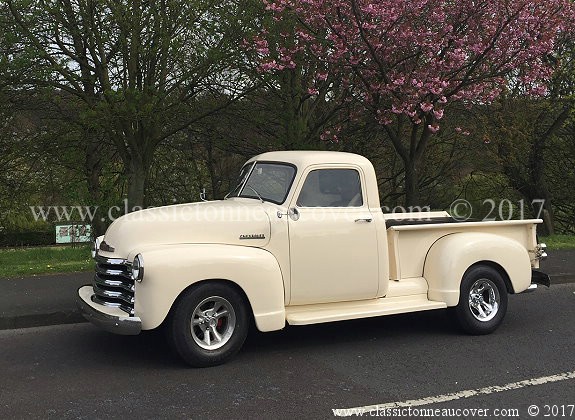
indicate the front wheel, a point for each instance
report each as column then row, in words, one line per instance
column 209, row 324
column 482, row 300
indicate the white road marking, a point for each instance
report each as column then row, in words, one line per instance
column 345, row 412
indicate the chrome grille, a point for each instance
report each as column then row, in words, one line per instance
column 113, row 285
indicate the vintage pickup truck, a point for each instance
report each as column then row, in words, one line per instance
column 300, row 240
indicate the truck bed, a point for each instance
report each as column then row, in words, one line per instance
column 411, row 236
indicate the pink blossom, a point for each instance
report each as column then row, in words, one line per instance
column 426, row 107
column 410, row 113
column 415, row 54
column 270, row 65
column 438, row 113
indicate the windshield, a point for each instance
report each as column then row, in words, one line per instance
column 265, row 180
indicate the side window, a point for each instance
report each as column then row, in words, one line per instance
column 331, row 188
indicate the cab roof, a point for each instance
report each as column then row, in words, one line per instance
column 305, row 158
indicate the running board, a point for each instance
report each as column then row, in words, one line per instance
column 339, row 311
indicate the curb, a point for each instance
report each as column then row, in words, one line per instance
column 75, row 317
column 40, row 320
column 562, row 279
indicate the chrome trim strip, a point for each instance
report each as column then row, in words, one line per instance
column 112, row 272
column 125, row 308
column 113, row 294
column 114, row 283
column 111, row 261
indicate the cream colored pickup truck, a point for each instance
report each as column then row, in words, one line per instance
column 300, row 240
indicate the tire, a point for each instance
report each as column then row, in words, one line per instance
column 196, row 332
column 482, row 300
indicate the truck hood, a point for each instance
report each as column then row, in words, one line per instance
column 232, row 222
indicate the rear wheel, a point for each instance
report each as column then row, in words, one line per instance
column 209, row 324
column 482, row 300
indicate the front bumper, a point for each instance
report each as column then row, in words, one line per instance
column 109, row 319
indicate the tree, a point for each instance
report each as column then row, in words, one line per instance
column 300, row 98
column 560, row 176
column 523, row 129
column 406, row 61
column 141, row 69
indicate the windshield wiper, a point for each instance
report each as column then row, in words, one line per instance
column 257, row 193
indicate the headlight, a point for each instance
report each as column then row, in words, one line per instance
column 138, row 268
column 95, row 247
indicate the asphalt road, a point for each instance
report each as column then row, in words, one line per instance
column 78, row 371
column 41, row 300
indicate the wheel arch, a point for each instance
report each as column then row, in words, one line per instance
column 171, row 270
column 451, row 256
column 226, row 282
column 497, row 267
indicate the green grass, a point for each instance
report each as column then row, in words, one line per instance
column 62, row 259
column 44, row 260
column 556, row 242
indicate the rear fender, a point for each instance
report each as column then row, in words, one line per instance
column 449, row 258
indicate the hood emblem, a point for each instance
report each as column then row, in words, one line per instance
column 253, row 236
column 107, row 248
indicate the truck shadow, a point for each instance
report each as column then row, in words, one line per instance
column 390, row 327
column 150, row 348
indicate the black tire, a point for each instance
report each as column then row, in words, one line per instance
column 482, row 287
column 190, row 342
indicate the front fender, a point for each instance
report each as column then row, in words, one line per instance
column 170, row 269
column 449, row 258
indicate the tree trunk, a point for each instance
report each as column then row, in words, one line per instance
column 539, row 190
column 411, row 183
column 214, row 178
column 412, row 156
column 539, row 195
column 137, row 180
column 93, row 171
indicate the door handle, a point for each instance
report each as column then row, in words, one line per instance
column 365, row 219
column 293, row 214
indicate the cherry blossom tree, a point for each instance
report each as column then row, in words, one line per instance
column 406, row 61
column 306, row 100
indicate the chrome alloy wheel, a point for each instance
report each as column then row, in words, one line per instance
column 484, row 300
column 213, row 323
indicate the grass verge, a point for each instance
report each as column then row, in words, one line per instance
column 44, row 260
column 62, row 259
column 556, row 242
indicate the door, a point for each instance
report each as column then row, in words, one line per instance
column 333, row 242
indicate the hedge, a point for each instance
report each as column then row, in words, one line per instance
column 27, row 238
